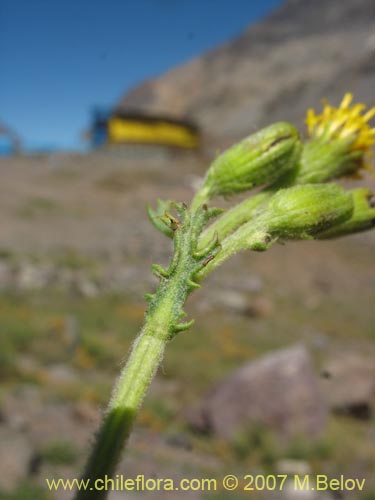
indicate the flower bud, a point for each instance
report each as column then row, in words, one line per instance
column 257, row 160
column 362, row 219
column 323, row 161
column 298, row 212
column 340, row 142
column 303, row 211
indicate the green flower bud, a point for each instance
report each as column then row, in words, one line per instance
column 362, row 219
column 300, row 212
column 258, row 160
column 323, row 161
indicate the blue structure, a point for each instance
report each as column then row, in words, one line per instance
column 6, row 147
column 9, row 142
column 99, row 131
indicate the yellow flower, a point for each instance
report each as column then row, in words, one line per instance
column 347, row 122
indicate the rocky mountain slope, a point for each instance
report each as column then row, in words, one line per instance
column 304, row 51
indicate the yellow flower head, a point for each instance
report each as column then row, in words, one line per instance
column 347, row 122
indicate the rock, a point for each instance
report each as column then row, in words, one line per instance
column 279, row 392
column 15, row 457
column 348, row 384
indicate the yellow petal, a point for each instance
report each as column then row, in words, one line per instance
column 347, row 99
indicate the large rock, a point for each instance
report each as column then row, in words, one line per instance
column 348, row 384
column 279, row 391
column 279, row 67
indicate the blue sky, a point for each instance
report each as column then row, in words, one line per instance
column 61, row 58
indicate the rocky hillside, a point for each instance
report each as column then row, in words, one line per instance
column 304, row 51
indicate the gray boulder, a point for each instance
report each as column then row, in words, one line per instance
column 348, row 384
column 279, row 392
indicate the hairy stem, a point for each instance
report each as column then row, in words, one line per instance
column 234, row 218
column 162, row 323
column 122, row 410
column 257, row 239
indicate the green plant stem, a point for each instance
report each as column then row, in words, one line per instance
column 161, row 325
column 234, row 218
column 257, row 239
column 201, row 197
column 132, row 385
column 145, row 357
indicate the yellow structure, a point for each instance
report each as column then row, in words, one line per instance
column 122, row 129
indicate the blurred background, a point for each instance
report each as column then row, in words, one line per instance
column 106, row 106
